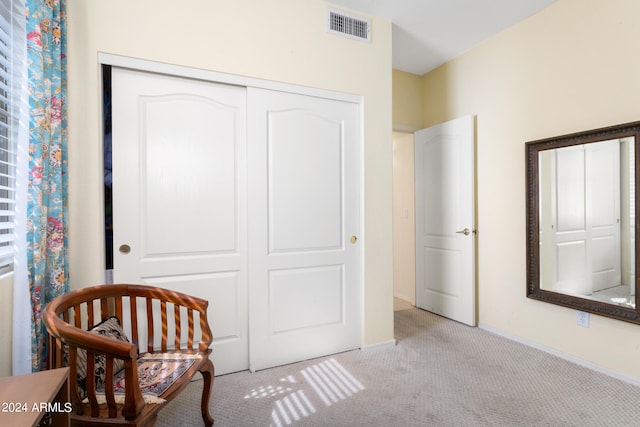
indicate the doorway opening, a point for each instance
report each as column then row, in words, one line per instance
column 404, row 247
column 107, row 167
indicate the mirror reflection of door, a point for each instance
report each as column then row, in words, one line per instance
column 587, row 221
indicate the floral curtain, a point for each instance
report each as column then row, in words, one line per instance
column 47, row 187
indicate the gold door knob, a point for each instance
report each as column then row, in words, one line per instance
column 353, row 239
column 124, row 249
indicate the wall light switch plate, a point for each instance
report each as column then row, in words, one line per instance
column 582, row 319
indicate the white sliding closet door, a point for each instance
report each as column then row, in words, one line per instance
column 179, row 186
column 248, row 198
column 304, row 270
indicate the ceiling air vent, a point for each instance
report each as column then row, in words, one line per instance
column 347, row 25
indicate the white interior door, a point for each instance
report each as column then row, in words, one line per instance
column 585, row 217
column 304, row 274
column 604, row 163
column 570, row 231
column 179, row 181
column 445, row 220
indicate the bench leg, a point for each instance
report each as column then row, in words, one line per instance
column 207, row 376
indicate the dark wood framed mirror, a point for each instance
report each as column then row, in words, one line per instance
column 583, row 223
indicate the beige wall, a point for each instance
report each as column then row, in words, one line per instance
column 280, row 40
column 6, row 311
column 408, row 116
column 572, row 67
column 408, row 102
column 404, row 231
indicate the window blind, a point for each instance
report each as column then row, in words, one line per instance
column 12, row 106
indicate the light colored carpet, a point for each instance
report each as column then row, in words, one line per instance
column 441, row 373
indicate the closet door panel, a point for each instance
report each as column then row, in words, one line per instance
column 179, row 196
column 304, row 268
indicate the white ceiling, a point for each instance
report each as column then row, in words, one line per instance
column 428, row 33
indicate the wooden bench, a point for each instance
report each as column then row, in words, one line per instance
column 160, row 324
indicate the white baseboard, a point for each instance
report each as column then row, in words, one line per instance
column 379, row 346
column 562, row 355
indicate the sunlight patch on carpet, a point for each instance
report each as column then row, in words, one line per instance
column 330, row 381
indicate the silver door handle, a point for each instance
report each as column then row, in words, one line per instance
column 466, row 232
